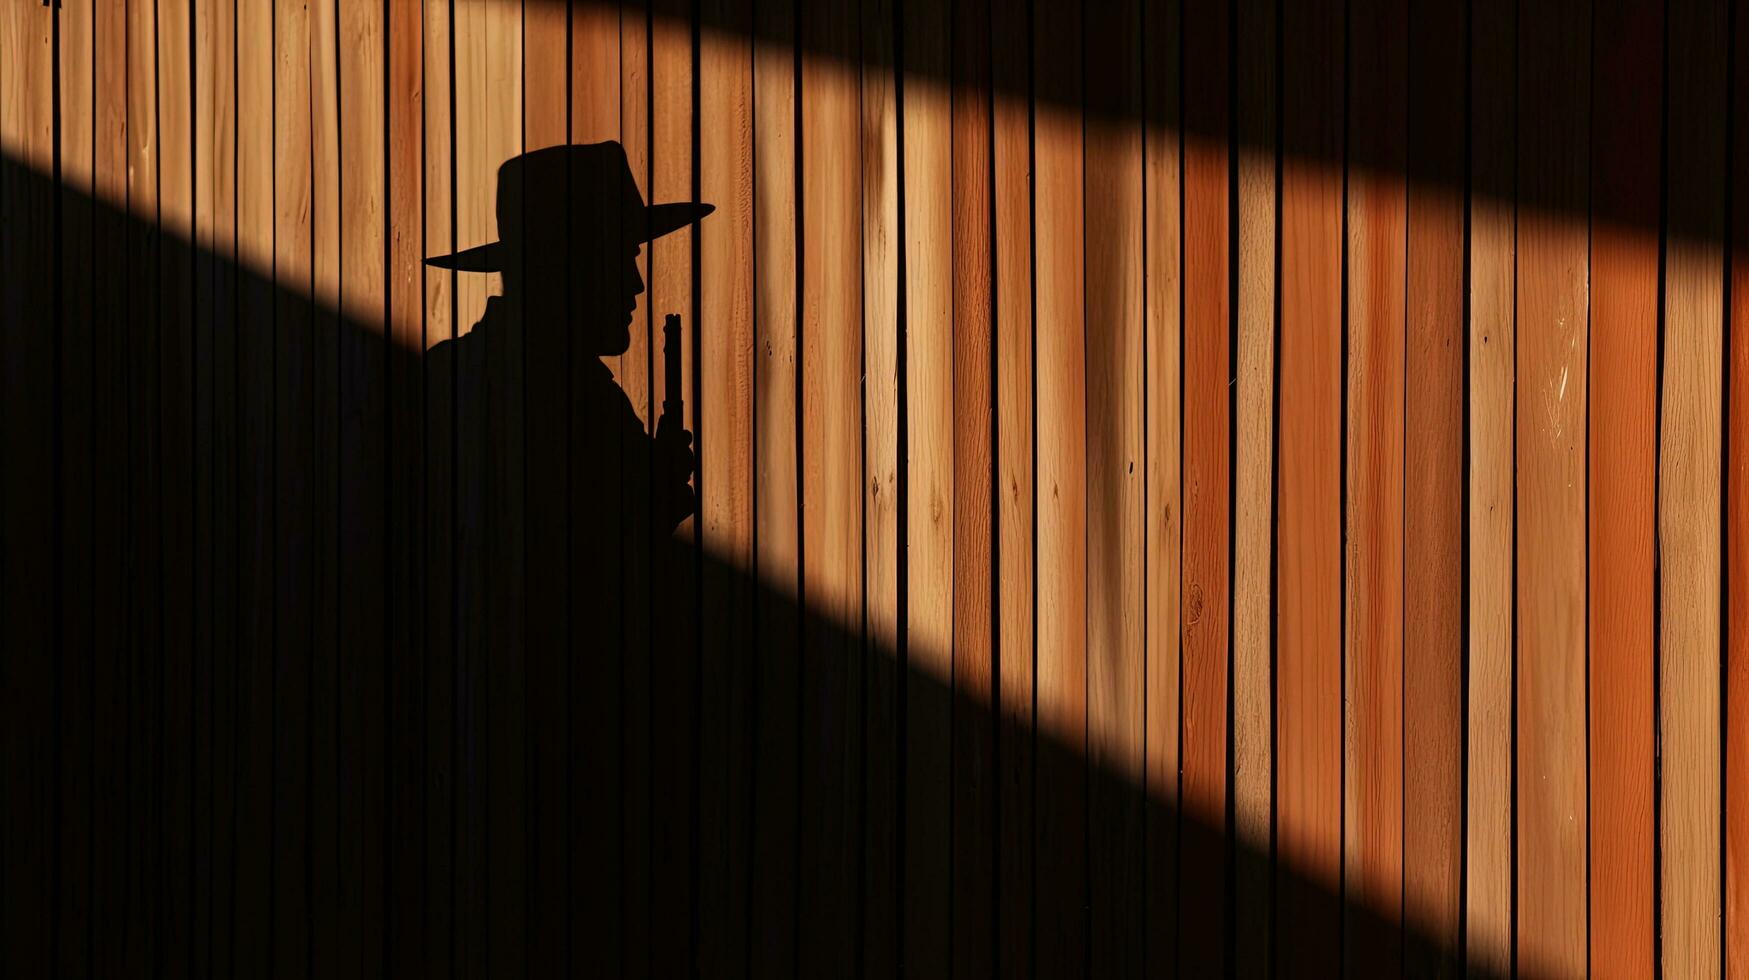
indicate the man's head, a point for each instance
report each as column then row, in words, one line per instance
column 570, row 226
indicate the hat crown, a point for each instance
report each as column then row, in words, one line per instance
column 588, row 184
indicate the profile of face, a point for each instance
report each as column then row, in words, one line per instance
column 589, row 285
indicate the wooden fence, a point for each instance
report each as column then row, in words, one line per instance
column 1182, row 487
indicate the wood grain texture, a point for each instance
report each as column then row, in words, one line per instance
column 974, row 779
column 1162, row 173
column 931, row 411
column 776, row 493
column 1205, row 589
column 1553, row 310
column 1116, row 470
column 1060, row 338
column 1492, row 341
column 1376, row 266
column 1308, row 489
column 1016, row 471
column 831, row 352
column 1254, row 484
column 1433, row 491
column 1622, row 476
column 884, row 511
column 1735, row 911
column 724, row 421
column 1690, row 456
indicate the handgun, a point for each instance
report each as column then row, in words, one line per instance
column 673, row 418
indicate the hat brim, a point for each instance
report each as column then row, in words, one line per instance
column 659, row 220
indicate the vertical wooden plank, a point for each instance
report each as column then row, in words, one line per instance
column 831, row 478
column 1206, row 482
column 882, row 520
column 332, row 872
column 1488, row 914
column 1061, row 678
column 110, row 581
column 596, row 613
column 502, row 668
column 441, row 783
column 930, row 409
column 547, row 389
column 1433, row 474
column 1690, row 454
column 28, row 508
column 1372, row 817
column 1011, row 115
column 974, row 522
column 725, row 424
column 145, row 620
column 1163, row 238
column 634, row 375
column 1308, row 487
column 365, row 342
column 1622, row 474
column 673, row 585
column 1254, row 485
column 1553, row 309
column 252, row 944
column 1115, row 492
column 407, row 828
column 1736, row 488
column 296, row 487
column 776, row 494
column 176, row 421
column 77, row 521
column 1736, row 570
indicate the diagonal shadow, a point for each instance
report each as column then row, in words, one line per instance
column 311, row 690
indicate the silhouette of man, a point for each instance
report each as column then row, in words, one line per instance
column 535, row 408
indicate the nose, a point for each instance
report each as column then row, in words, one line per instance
column 637, row 279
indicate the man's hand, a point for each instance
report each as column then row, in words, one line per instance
column 673, row 464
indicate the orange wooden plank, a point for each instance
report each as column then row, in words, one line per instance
column 1492, row 354
column 830, row 242
column 776, row 493
column 881, row 504
column 1162, row 170
column 930, row 407
column 1060, row 337
column 1623, row 430
column 1206, row 482
column 1011, row 113
column 1254, row 485
column 1552, row 300
column 1115, row 404
column 725, row 421
column 1308, row 488
column 1433, row 475
column 1736, row 569
column 1372, row 819
column 974, row 781
column 1690, row 454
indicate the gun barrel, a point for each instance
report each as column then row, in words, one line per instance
column 672, row 402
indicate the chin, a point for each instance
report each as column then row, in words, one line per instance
column 615, row 344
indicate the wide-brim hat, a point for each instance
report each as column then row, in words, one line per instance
column 603, row 197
